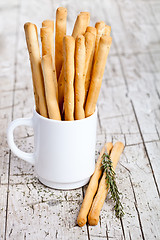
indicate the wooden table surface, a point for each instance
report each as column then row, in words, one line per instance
column 128, row 111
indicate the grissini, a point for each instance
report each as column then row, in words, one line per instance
column 47, row 39
column 48, row 23
column 100, row 27
column 92, row 30
column 97, row 74
column 68, row 53
column 79, row 84
column 102, row 192
column 107, row 30
column 35, row 60
column 61, row 89
column 61, row 21
column 87, row 14
column 50, row 90
column 90, row 47
column 92, row 187
column 80, row 26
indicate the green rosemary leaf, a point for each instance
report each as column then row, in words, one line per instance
column 111, row 183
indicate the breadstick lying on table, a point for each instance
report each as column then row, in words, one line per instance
column 35, row 60
column 102, row 192
column 92, row 187
column 90, row 46
column 80, row 26
column 50, row 90
column 79, row 84
column 47, row 40
column 68, row 53
column 61, row 21
column 97, row 74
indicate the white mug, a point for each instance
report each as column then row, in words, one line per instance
column 64, row 154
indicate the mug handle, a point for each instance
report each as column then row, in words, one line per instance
column 28, row 157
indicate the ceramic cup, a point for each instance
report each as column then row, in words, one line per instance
column 64, row 151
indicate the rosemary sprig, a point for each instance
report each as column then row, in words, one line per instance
column 111, row 184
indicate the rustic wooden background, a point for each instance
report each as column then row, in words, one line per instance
column 128, row 111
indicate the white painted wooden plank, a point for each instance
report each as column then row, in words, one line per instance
column 130, row 220
column 130, row 28
column 5, row 118
column 142, row 92
column 7, row 61
column 3, row 192
column 145, row 190
column 155, row 7
column 153, row 150
column 52, row 213
column 116, row 115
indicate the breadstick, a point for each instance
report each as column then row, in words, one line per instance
column 102, row 192
column 81, row 24
column 107, row 30
column 100, row 27
column 87, row 14
column 97, row 74
column 92, row 187
column 61, row 21
column 68, row 49
column 47, row 40
column 35, row 60
column 80, row 57
column 90, row 46
column 48, row 23
column 61, row 89
column 50, row 90
column 92, row 30
column 101, row 31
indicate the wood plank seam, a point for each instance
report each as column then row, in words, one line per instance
column 121, row 221
column 107, row 232
column 150, row 164
column 87, row 226
column 135, row 144
column 136, row 207
column 6, row 217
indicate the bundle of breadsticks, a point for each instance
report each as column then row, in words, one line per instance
column 97, row 190
column 67, row 81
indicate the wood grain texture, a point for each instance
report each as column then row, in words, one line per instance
column 128, row 111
